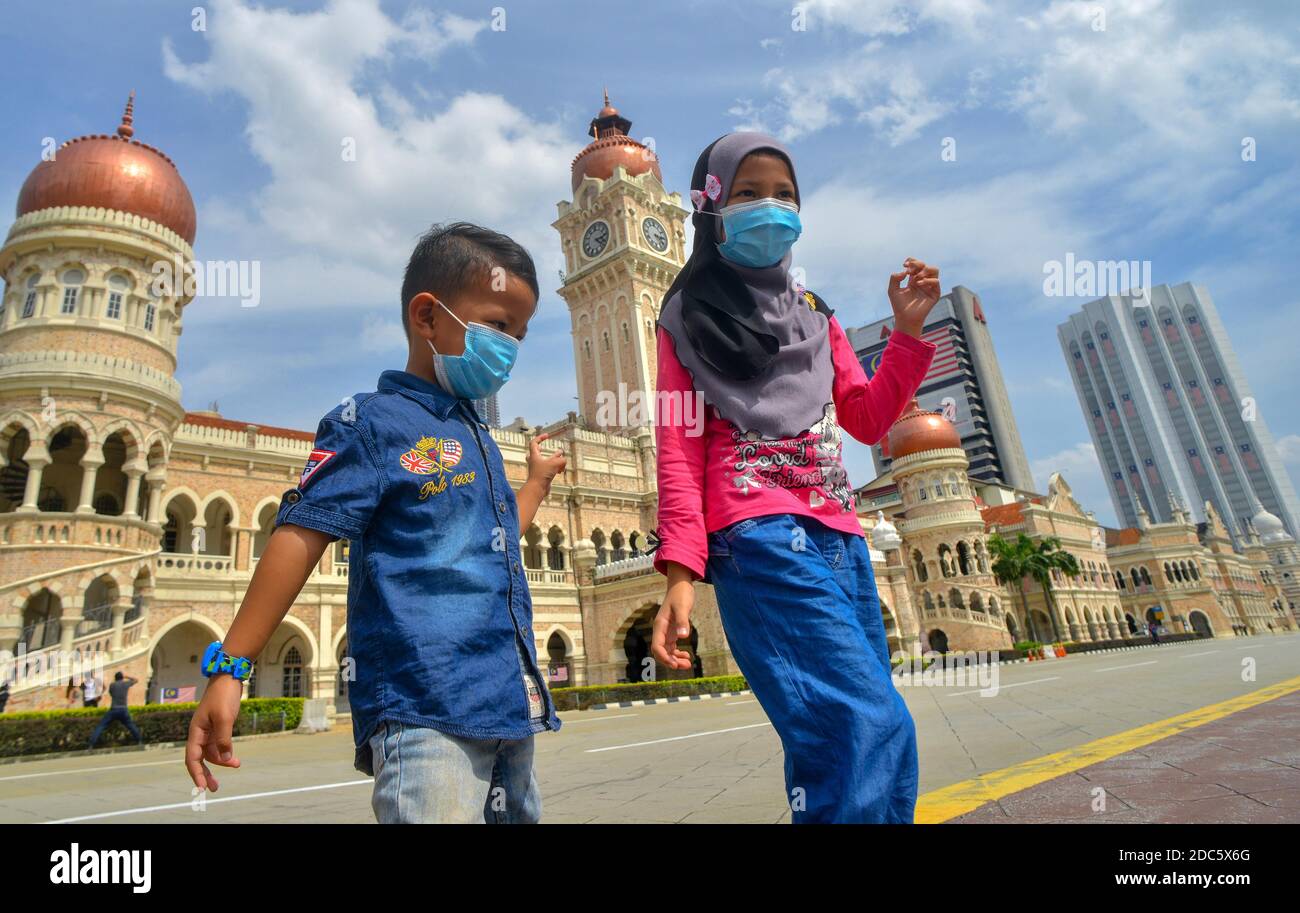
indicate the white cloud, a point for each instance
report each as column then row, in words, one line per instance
column 1081, row 468
column 379, row 335
column 891, row 17
column 320, row 84
column 1289, row 449
column 979, row 233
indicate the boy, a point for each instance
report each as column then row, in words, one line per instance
column 447, row 694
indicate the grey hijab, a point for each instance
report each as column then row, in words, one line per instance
column 756, row 346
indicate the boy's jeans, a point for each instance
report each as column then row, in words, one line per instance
column 799, row 606
column 424, row 776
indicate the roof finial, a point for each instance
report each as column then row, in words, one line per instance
column 606, row 96
column 124, row 129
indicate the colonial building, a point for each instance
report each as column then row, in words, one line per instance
column 130, row 527
column 1185, row 576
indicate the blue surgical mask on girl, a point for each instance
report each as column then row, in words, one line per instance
column 485, row 366
column 759, row 232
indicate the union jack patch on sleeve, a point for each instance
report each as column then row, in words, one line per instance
column 317, row 459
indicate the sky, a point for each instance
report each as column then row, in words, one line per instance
column 989, row 138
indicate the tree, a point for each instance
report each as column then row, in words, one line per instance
column 1049, row 556
column 1011, row 563
column 1014, row 561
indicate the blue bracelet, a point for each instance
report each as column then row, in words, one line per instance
column 217, row 662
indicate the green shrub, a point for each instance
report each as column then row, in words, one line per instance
column 44, row 731
column 584, row 696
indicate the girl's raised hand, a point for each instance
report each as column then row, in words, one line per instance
column 912, row 303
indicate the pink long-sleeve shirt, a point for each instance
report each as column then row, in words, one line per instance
column 710, row 480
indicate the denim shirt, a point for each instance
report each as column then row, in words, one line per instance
column 439, row 613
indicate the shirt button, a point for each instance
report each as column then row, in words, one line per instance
column 501, row 506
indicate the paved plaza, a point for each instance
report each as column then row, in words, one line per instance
column 1168, row 733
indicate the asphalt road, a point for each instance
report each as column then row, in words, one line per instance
column 714, row 760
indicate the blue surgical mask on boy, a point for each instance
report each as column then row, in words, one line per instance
column 759, row 232
column 485, row 366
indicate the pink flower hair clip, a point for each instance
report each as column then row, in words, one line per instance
column 712, row 190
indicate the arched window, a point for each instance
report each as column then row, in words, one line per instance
column 171, row 530
column 117, row 288
column 555, row 550
column 533, row 548
column 291, row 674
column 963, row 558
column 605, row 339
column 1146, row 577
column 945, row 561
column 29, row 302
column 72, row 280
column 918, row 561
column 616, row 541
column 602, row 552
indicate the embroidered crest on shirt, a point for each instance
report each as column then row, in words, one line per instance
column 315, row 461
column 432, row 456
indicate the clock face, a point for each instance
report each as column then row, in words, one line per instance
column 595, row 238
column 655, row 234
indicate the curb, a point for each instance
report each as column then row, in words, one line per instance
column 1006, row 662
column 667, row 700
column 129, row 749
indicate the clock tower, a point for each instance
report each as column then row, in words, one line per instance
column 624, row 242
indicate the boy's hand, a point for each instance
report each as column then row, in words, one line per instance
column 543, row 467
column 673, row 623
column 210, row 730
column 913, row 303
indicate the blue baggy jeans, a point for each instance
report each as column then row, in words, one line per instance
column 799, row 606
column 120, row 715
column 424, row 776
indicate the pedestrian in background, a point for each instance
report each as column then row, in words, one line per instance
column 117, row 710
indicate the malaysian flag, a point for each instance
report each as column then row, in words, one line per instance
column 179, row 695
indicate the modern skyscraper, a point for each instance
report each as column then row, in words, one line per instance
column 964, row 383
column 1170, row 411
column 489, row 410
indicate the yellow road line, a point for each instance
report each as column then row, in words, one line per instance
column 950, row 801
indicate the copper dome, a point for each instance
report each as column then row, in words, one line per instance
column 113, row 172
column 918, row 429
column 610, row 147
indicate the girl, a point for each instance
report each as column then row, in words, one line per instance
column 759, row 504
